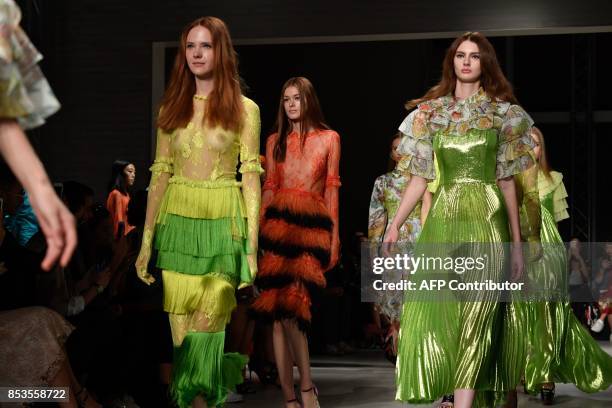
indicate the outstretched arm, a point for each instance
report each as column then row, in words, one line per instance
column 56, row 222
column 414, row 191
column 332, row 185
column 251, row 188
column 161, row 170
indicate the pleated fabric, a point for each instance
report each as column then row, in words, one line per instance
column 202, row 368
column 453, row 340
column 200, row 236
column 560, row 349
column 201, row 229
column 295, row 237
column 450, row 341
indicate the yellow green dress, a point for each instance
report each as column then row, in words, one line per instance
column 205, row 232
column 450, row 344
column 560, row 349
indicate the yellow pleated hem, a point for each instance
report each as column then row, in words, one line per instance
column 209, row 294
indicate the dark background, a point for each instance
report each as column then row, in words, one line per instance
column 98, row 58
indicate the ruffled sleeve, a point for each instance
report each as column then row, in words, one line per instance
column 554, row 185
column 161, row 171
column 515, row 149
column 251, row 187
column 416, row 146
column 25, row 94
column 249, row 140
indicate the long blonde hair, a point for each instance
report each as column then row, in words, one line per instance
column 543, row 161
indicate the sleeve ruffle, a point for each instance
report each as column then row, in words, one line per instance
column 515, row 150
column 559, row 197
column 251, row 166
column 162, row 166
column 25, row 94
column 416, row 146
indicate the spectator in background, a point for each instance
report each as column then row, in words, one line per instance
column 578, row 282
column 601, row 286
column 122, row 179
column 79, row 199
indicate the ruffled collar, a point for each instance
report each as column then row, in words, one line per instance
column 476, row 98
column 478, row 111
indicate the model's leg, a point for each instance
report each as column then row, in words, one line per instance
column 464, row 398
column 284, row 361
column 299, row 345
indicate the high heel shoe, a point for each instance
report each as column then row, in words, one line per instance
column 315, row 392
column 293, row 401
column 547, row 395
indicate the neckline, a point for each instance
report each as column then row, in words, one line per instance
column 310, row 132
column 473, row 97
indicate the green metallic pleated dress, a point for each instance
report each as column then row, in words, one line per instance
column 455, row 343
column 560, row 349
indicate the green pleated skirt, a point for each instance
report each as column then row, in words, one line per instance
column 453, row 342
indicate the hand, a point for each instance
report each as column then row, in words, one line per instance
column 534, row 250
column 517, row 262
column 391, row 237
column 142, row 264
column 57, row 224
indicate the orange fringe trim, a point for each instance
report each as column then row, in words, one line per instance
column 305, row 267
column 293, row 299
column 299, row 203
column 291, row 234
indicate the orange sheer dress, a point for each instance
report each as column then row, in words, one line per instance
column 299, row 225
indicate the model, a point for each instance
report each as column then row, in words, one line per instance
column 481, row 138
column 203, row 221
column 299, row 230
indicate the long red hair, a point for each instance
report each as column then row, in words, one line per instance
column 492, row 79
column 311, row 115
column 224, row 104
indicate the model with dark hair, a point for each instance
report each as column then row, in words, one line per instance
column 480, row 138
column 204, row 221
column 299, row 228
column 123, row 175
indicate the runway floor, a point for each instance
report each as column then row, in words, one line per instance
column 364, row 379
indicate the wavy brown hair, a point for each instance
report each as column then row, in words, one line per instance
column 311, row 115
column 224, row 104
column 492, row 79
